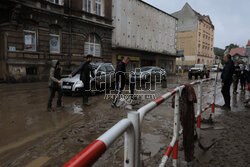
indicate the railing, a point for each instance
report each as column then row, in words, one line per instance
column 131, row 127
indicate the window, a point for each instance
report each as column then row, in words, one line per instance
column 29, row 40
column 98, row 4
column 93, row 46
column 31, row 70
column 54, row 41
column 102, row 68
column 88, row 5
column 109, row 69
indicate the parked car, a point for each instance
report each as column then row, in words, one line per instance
column 149, row 73
column 215, row 68
column 105, row 74
column 198, row 70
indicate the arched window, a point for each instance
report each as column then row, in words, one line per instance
column 92, row 45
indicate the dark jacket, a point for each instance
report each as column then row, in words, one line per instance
column 248, row 76
column 54, row 75
column 120, row 71
column 85, row 70
column 237, row 71
column 228, row 72
column 243, row 74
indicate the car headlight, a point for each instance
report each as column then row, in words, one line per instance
column 79, row 82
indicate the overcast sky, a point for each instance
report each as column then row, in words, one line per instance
column 231, row 18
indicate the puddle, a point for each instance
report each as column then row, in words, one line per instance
column 38, row 162
column 151, row 145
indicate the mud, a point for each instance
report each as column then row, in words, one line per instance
column 30, row 136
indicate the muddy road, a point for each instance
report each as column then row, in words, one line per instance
column 31, row 136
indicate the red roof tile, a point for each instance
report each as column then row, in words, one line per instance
column 248, row 44
column 240, row 51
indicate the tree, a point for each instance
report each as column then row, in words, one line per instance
column 219, row 53
column 231, row 46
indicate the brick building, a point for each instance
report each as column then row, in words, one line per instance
column 33, row 32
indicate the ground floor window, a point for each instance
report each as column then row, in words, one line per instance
column 31, row 70
column 54, row 43
column 29, row 40
column 92, row 46
column 168, row 65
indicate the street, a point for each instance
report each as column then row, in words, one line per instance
column 31, row 136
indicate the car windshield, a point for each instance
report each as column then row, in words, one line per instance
column 94, row 66
column 145, row 68
column 198, row 65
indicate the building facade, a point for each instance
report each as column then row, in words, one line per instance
column 247, row 53
column 36, row 31
column 144, row 33
column 195, row 37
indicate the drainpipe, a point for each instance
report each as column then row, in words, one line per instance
column 70, row 31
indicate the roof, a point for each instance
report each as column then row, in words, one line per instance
column 248, row 44
column 240, row 51
column 200, row 16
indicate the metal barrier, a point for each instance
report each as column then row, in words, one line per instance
column 131, row 127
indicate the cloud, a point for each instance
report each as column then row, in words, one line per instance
column 230, row 17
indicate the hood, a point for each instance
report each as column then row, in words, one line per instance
column 54, row 63
column 195, row 68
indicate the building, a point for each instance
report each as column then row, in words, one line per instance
column 195, row 37
column 34, row 32
column 247, row 53
column 238, row 54
column 144, row 33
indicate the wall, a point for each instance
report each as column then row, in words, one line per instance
column 187, row 41
column 142, row 27
column 187, row 19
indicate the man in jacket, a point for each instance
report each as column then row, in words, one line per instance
column 227, row 80
column 243, row 75
column 248, row 82
column 85, row 70
column 236, row 77
column 55, row 84
column 120, row 77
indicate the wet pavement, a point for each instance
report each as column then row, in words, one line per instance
column 31, row 136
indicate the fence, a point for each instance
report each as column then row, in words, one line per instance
column 131, row 126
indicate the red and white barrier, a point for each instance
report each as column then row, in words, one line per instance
column 131, row 128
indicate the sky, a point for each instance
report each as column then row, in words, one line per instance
column 231, row 18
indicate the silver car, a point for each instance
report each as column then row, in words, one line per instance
column 104, row 72
column 149, row 73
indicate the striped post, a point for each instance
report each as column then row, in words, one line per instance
column 199, row 108
column 94, row 151
column 176, row 126
column 175, row 154
column 88, row 156
column 166, row 156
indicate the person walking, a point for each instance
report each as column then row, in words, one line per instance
column 85, row 70
column 247, row 87
column 243, row 75
column 236, row 78
column 227, row 80
column 55, row 84
column 120, row 77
